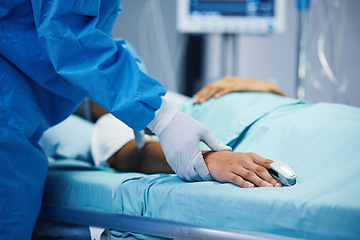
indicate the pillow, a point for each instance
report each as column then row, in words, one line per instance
column 69, row 139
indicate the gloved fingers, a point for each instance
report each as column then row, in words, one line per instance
column 193, row 175
column 188, row 173
column 201, row 169
column 183, row 175
column 213, row 143
column 188, row 167
column 183, row 152
column 184, row 169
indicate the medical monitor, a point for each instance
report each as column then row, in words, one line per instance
column 231, row 16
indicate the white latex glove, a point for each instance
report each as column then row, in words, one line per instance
column 179, row 136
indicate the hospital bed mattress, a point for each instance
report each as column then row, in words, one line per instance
column 321, row 142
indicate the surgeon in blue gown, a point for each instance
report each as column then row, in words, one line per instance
column 53, row 54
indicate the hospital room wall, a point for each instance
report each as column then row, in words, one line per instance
column 150, row 25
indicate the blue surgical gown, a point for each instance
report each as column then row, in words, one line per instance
column 53, row 53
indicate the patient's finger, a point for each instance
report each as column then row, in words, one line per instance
column 204, row 94
column 278, row 92
column 251, row 176
column 222, row 92
column 264, row 174
column 261, row 164
column 260, row 160
column 239, row 181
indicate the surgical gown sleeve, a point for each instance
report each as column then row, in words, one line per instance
column 76, row 36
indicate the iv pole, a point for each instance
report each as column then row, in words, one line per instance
column 303, row 7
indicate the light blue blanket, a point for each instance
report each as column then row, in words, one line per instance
column 321, row 142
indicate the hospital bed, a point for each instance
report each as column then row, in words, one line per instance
column 321, row 142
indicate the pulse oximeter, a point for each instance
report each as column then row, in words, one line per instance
column 283, row 173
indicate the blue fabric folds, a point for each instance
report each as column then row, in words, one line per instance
column 53, row 54
column 319, row 141
column 229, row 116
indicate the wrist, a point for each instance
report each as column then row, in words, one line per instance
column 207, row 155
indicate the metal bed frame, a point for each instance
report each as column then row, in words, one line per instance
column 146, row 225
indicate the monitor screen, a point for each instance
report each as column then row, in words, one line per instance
column 261, row 8
column 231, row 16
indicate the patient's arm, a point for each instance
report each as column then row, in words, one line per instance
column 242, row 169
column 230, row 84
column 96, row 110
column 150, row 159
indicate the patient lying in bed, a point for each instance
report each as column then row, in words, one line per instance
column 113, row 144
column 319, row 141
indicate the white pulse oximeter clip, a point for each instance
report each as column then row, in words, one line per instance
column 283, row 173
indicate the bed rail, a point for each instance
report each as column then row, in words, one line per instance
column 146, row 225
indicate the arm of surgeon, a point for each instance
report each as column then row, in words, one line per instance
column 243, row 169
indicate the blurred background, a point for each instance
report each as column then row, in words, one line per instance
column 328, row 32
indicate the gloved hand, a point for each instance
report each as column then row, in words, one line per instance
column 179, row 136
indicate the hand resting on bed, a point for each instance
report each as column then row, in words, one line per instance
column 243, row 169
column 230, row 84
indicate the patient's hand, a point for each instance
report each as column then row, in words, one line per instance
column 243, row 169
column 230, row 84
